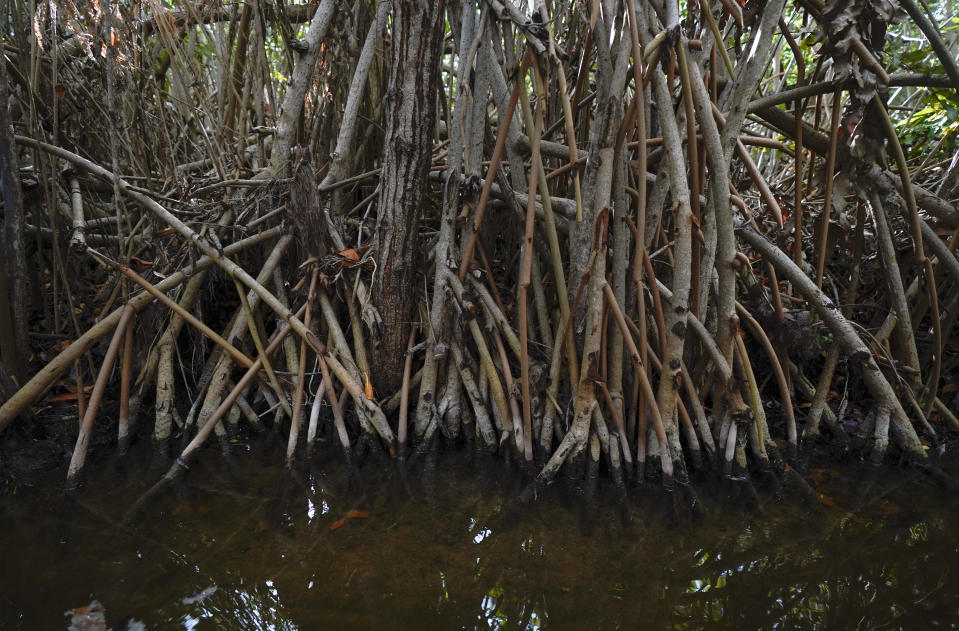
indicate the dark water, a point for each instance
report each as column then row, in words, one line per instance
column 249, row 546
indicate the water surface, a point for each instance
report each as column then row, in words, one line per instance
column 248, row 545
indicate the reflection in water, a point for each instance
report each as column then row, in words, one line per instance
column 483, row 533
column 497, row 619
column 464, row 557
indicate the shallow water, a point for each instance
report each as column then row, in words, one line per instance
column 246, row 545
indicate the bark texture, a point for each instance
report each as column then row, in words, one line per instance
column 15, row 347
column 411, row 120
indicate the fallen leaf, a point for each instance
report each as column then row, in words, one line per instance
column 825, row 500
column 89, row 618
column 69, row 396
column 338, row 523
column 348, row 253
column 887, row 509
column 818, row 476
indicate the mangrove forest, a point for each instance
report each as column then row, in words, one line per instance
column 698, row 251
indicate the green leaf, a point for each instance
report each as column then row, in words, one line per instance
column 914, row 57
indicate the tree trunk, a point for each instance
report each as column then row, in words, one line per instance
column 14, row 344
column 411, row 118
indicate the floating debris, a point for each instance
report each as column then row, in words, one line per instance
column 200, row 596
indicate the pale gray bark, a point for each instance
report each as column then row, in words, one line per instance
column 435, row 336
column 734, row 101
column 342, row 154
column 292, row 104
column 905, row 342
column 845, row 334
